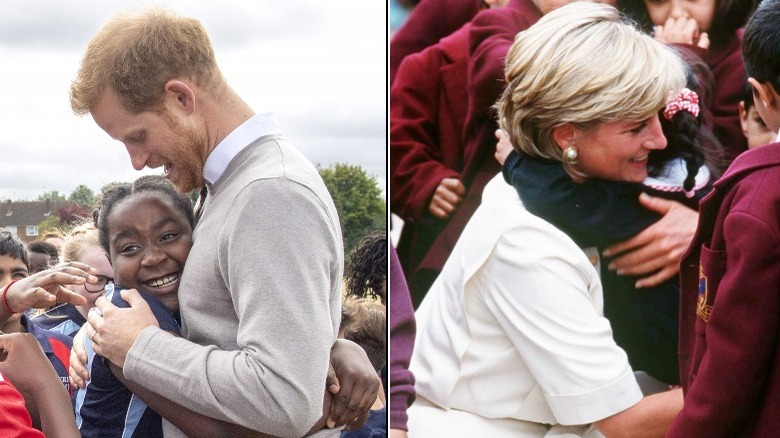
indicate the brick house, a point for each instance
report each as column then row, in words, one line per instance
column 21, row 218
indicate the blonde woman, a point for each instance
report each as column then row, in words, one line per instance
column 511, row 338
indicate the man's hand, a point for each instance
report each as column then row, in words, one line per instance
column 113, row 330
column 656, row 251
column 397, row 433
column 503, row 146
column 447, row 197
column 356, row 385
column 682, row 30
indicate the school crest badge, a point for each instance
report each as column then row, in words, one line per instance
column 703, row 308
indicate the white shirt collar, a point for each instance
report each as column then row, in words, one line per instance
column 257, row 126
column 777, row 140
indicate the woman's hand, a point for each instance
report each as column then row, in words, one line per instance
column 656, row 251
column 682, row 30
column 46, row 288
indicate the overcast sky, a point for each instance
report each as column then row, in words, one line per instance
column 318, row 65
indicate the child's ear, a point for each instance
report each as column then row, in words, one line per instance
column 743, row 117
column 764, row 92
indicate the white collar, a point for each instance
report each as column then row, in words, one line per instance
column 255, row 127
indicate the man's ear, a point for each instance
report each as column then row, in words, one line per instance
column 564, row 135
column 181, row 94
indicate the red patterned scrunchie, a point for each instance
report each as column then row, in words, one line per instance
column 687, row 100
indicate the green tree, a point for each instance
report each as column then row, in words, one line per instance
column 83, row 196
column 50, row 223
column 52, row 195
column 358, row 200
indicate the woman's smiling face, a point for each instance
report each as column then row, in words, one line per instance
column 618, row 151
column 150, row 240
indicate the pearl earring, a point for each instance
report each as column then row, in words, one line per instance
column 570, row 154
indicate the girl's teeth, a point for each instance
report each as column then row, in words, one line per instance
column 164, row 281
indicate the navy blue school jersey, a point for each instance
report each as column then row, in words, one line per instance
column 106, row 408
column 65, row 319
column 56, row 346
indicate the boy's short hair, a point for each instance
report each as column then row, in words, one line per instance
column 363, row 321
column 45, row 248
column 10, row 245
column 761, row 44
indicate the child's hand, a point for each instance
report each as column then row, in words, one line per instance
column 503, row 146
column 78, row 361
column 447, row 198
column 46, row 288
column 682, row 30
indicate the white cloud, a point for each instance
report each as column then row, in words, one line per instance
column 320, row 66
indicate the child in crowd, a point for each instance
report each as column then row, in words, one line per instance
column 81, row 245
column 43, row 255
column 730, row 296
column 54, row 237
column 599, row 213
column 711, row 31
column 14, row 265
column 363, row 321
column 753, row 126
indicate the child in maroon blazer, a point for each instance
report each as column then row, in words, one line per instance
column 427, row 112
column 730, row 276
column 711, row 31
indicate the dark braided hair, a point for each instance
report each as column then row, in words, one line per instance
column 147, row 183
column 689, row 137
column 366, row 272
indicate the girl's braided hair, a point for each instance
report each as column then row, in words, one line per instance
column 366, row 272
column 147, row 183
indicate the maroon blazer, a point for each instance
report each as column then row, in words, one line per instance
column 490, row 34
column 427, row 112
column 728, row 72
column 730, row 305
column 429, row 21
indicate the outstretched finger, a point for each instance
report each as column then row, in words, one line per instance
column 65, row 295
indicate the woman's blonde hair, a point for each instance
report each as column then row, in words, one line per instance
column 80, row 238
column 584, row 63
